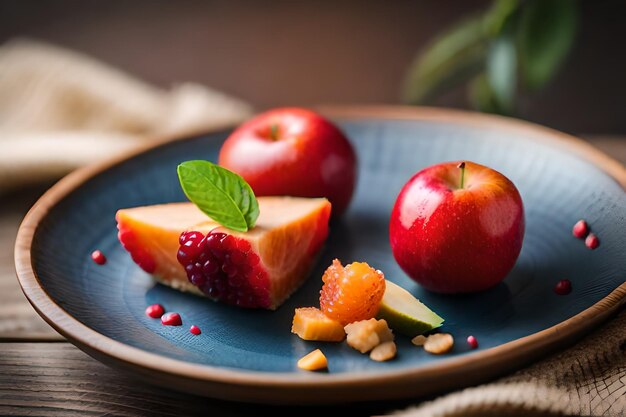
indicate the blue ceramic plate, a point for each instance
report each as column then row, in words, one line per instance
column 251, row 355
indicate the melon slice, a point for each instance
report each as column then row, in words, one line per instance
column 185, row 249
column 405, row 313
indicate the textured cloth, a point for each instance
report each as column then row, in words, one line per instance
column 60, row 110
column 588, row 379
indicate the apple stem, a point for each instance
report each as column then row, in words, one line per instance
column 274, row 131
column 461, row 166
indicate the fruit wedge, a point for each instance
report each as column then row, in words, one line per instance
column 311, row 324
column 185, row 249
column 313, row 361
column 405, row 313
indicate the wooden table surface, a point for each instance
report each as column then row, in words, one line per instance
column 42, row 374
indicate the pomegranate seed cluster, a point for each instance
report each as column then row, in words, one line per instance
column 224, row 268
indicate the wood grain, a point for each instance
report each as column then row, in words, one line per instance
column 19, row 320
column 57, row 379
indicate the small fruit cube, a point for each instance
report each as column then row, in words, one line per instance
column 419, row 340
column 313, row 361
column 384, row 352
column 311, row 324
column 439, row 343
column 365, row 335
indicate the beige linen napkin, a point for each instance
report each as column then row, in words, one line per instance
column 60, row 109
column 588, row 379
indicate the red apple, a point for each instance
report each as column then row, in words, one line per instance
column 457, row 227
column 293, row 151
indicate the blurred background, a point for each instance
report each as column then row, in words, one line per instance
column 81, row 80
column 274, row 53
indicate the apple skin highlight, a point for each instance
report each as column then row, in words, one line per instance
column 457, row 239
column 293, row 151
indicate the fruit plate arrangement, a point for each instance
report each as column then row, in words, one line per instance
column 251, row 355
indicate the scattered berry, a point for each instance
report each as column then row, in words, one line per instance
column 98, row 257
column 155, row 311
column 351, row 293
column 439, row 343
column 563, row 287
column 195, row 330
column 171, row 319
column 580, row 229
column 225, row 268
column 472, row 342
column 592, row 241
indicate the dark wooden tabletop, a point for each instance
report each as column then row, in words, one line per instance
column 42, row 374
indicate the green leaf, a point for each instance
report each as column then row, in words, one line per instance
column 546, row 34
column 501, row 70
column 482, row 96
column 457, row 55
column 452, row 58
column 221, row 194
column 499, row 14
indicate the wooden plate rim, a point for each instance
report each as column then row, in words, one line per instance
column 270, row 387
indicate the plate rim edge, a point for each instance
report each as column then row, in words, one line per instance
column 292, row 385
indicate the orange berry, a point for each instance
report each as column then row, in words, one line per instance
column 351, row 293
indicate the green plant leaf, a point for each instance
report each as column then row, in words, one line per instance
column 498, row 14
column 457, row 55
column 221, row 194
column 482, row 96
column 546, row 34
column 501, row 71
column 452, row 58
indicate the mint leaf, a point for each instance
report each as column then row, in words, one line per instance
column 221, row 194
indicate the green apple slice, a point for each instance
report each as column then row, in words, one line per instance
column 405, row 313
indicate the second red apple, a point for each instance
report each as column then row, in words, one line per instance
column 293, row 151
column 457, row 227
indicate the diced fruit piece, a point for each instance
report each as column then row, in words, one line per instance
column 258, row 268
column 365, row 335
column 406, row 314
column 384, row 352
column 313, row 361
column 439, row 343
column 351, row 293
column 419, row 340
column 311, row 324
